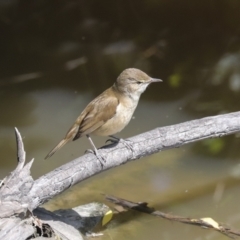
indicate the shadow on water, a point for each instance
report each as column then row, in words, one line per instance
column 56, row 56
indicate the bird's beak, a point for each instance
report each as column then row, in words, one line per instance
column 155, row 80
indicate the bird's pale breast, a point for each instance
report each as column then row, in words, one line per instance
column 123, row 115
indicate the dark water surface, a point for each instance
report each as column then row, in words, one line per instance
column 57, row 56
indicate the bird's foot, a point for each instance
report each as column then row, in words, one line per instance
column 126, row 143
column 100, row 158
column 112, row 141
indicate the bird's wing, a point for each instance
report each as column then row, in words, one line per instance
column 100, row 110
column 93, row 116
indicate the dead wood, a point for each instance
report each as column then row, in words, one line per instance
column 205, row 222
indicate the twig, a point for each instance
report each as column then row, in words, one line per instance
column 21, row 154
column 207, row 223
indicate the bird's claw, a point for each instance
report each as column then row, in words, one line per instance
column 127, row 144
column 89, row 151
column 100, row 158
column 112, row 141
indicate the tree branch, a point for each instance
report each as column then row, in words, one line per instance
column 62, row 178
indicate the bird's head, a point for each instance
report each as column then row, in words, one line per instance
column 133, row 82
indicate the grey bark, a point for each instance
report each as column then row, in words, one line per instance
column 159, row 139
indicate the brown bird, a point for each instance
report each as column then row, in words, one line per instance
column 111, row 111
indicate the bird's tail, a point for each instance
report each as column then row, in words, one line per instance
column 60, row 145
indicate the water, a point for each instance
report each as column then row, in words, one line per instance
column 56, row 57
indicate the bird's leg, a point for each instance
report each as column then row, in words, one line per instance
column 127, row 143
column 99, row 157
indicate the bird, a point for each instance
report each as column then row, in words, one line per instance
column 111, row 111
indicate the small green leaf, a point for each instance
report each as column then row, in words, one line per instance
column 214, row 145
column 175, row 80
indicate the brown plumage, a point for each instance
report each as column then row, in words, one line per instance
column 111, row 111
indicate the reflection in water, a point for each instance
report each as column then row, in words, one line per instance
column 16, row 108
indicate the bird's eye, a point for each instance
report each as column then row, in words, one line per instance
column 139, row 82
